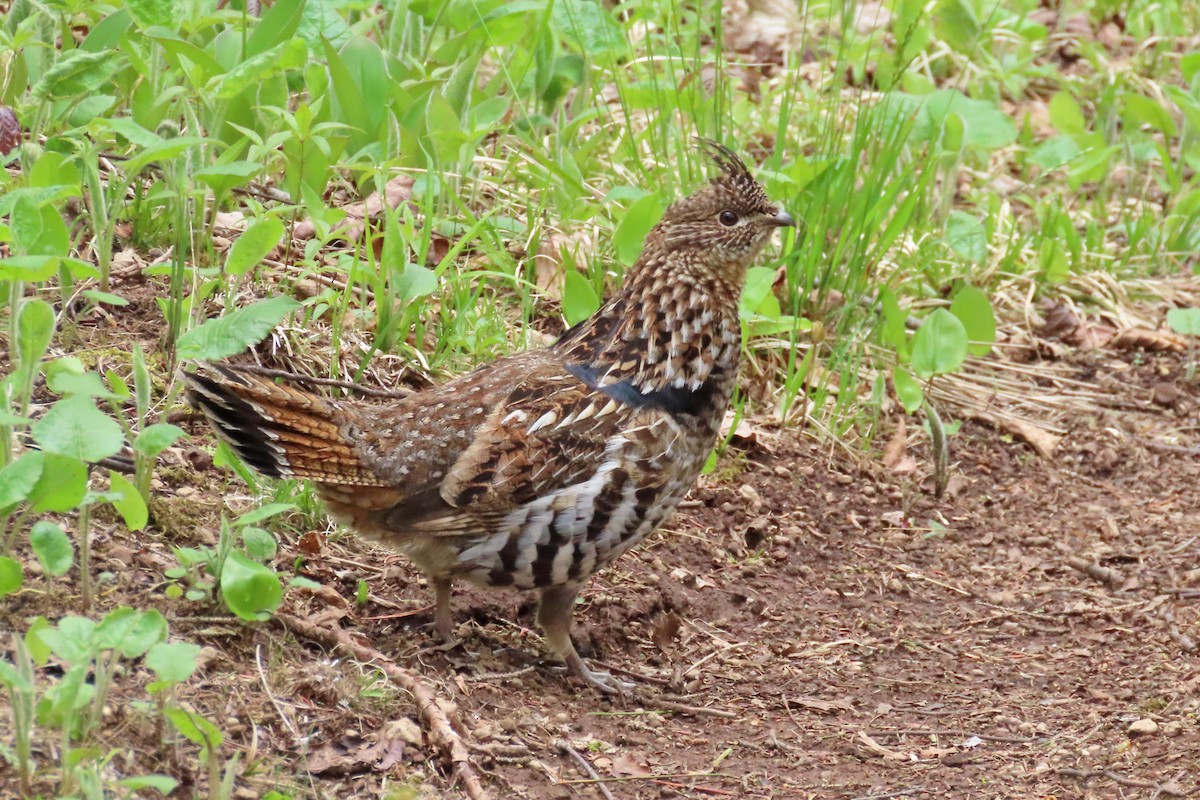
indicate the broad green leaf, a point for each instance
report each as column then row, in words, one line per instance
column 251, row 591
column 940, row 345
column 61, row 486
column 74, row 427
column 637, row 221
column 12, row 575
column 52, row 547
column 1056, row 152
column 1140, row 110
column 252, row 246
column 72, row 639
column 156, row 438
column 416, row 281
column 166, row 13
column 129, row 503
column 1065, row 114
column 231, row 334
column 163, row 784
column 222, row 178
column 259, row 544
column 78, row 73
column 18, row 477
column 289, row 55
column 974, row 311
column 28, row 269
column 173, row 661
column 195, row 727
column 1185, row 321
column 590, row 26
column 908, row 390
column 35, row 329
column 967, row 236
column 955, row 23
column 579, row 299
column 131, row 632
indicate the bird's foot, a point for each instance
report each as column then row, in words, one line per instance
column 603, row 682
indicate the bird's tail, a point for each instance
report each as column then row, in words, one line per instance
column 279, row 431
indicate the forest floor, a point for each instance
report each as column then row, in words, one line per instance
column 811, row 624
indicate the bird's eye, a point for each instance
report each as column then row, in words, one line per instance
column 728, row 218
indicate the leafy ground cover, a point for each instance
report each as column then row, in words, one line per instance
column 946, row 549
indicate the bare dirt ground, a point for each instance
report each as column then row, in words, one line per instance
column 811, row 625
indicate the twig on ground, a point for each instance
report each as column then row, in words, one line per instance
column 1180, row 638
column 1093, row 570
column 987, row 737
column 565, row 748
column 654, row 703
column 262, row 677
column 898, row 793
column 1170, row 789
column 440, row 732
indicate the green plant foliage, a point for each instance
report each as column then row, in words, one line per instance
column 250, row 590
column 973, row 309
column 52, row 547
column 1185, row 321
column 225, row 336
column 940, row 345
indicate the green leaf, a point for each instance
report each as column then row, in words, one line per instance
column 78, row 73
column 1056, row 152
column 259, row 544
column 173, row 661
column 195, row 727
column 74, row 427
column 579, row 299
column 155, row 12
column 1066, row 115
column 131, row 632
column 252, row 246
column 908, row 390
column 12, row 575
column 251, row 591
column 163, row 784
column 263, row 512
column 634, row 225
column 129, row 504
column 35, row 328
column 222, row 178
column 18, row 478
column 61, row 486
column 29, row 269
column 1138, row 110
column 231, row 334
column 940, row 346
column 955, row 23
column 414, row 282
column 52, row 547
column 588, row 25
column 72, row 639
column 974, row 311
column 893, row 331
column 254, row 71
column 156, row 438
column 967, row 236
column 1184, row 321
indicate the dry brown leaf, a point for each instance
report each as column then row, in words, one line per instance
column 398, row 190
column 763, row 29
column 1148, row 339
column 10, row 130
column 624, row 765
column 1042, row 441
column 894, row 451
column 878, row 749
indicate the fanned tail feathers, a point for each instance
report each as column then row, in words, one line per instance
column 279, row 431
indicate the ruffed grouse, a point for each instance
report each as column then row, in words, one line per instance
column 539, row 469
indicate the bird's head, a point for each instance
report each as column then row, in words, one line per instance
column 724, row 224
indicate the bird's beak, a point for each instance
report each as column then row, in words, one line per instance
column 782, row 220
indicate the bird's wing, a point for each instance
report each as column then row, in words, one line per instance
column 550, row 432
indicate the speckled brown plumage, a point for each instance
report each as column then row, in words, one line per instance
column 539, row 469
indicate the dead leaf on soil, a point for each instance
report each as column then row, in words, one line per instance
column 746, row 434
column 895, row 452
column 818, row 705
column 624, row 765
column 1042, row 441
column 1147, row 339
column 878, row 749
column 666, row 630
column 398, row 190
column 763, row 29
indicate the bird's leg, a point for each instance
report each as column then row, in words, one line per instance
column 555, row 610
column 443, row 619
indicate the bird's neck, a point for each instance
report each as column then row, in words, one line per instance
column 672, row 330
